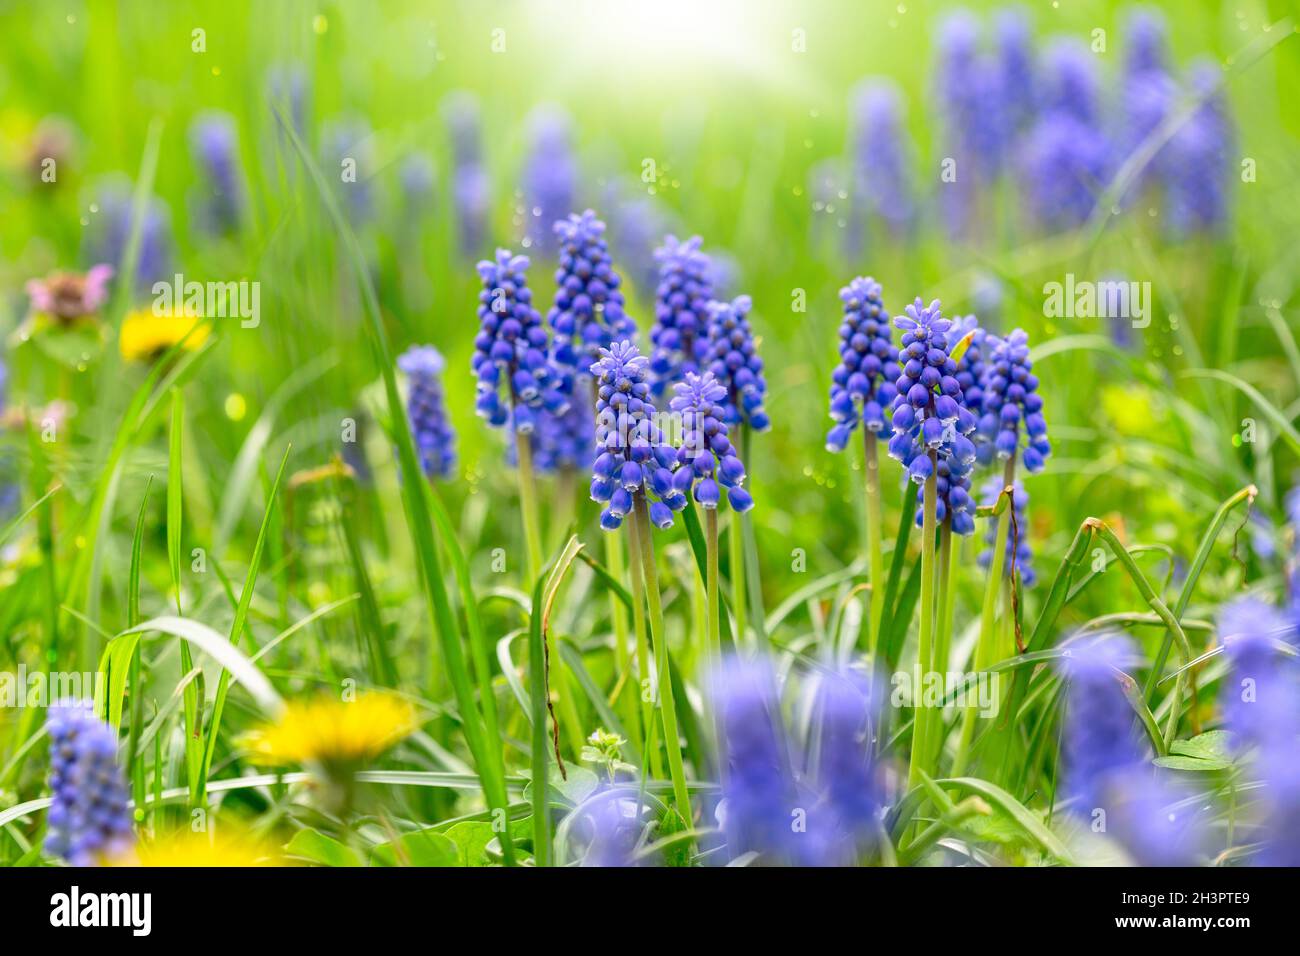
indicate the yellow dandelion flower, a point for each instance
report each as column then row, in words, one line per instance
column 184, row 848
column 146, row 335
column 332, row 732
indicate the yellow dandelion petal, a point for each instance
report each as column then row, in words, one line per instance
column 332, row 731
column 147, row 335
column 184, row 848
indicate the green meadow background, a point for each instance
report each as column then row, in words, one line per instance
column 735, row 104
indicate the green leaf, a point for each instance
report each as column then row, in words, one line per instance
column 1199, row 764
column 319, row 848
column 1025, row 819
column 1211, row 745
column 174, row 484
column 472, row 838
column 419, row 848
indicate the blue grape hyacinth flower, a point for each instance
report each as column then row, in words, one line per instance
column 1017, row 71
column 1021, row 553
column 510, row 350
column 470, row 186
column 110, row 228
column 929, row 414
column 1012, row 408
column 1147, row 48
column 426, row 410
column 1107, row 772
column 734, row 361
column 707, row 460
column 348, row 155
column 550, row 176
column 863, row 383
column 759, row 794
column 678, row 337
column 219, row 202
column 588, row 313
column 882, row 157
column 1197, row 176
column 633, row 457
column 89, row 821
column 1263, row 711
column 848, row 705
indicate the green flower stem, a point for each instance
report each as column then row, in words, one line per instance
column 714, row 638
column 622, row 658
column 736, row 550
column 643, row 653
column 528, row 505
column 925, row 655
column 986, row 646
column 943, row 636
column 667, row 708
column 875, row 551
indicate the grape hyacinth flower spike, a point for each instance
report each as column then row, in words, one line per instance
column 931, row 425
column 707, row 459
column 1011, row 407
column 930, row 419
column 707, row 463
column 510, row 356
column 89, row 821
column 632, row 476
column 734, row 361
column 633, row 458
column 588, row 314
column 1023, row 553
column 863, row 384
column 426, row 410
column 863, row 389
column 681, row 312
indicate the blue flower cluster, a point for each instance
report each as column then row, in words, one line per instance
column 511, row 345
column 426, row 410
column 734, row 362
column 681, row 312
column 841, row 802
column 111, row 228
column 882, row 156
column 1024, row 554
column 470, row 188
column 89, row 820
column 931, row 422
column 863, row 384
column 1263, row 711
column 1196, row 181
column 1011, row 404
column 707, row 460
column 1108, row 773
column 348, row 145
column 550, row 175
column 219, row 204
column 633, row 455
column 588, row 311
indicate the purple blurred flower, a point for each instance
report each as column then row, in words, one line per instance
column 1198, row 173
column 89, row 820
column 214, row 143
column 110, row 228
column 348, row 157
column 549, row 178
column 882, row 156
column 426, row 410
column 470, row 187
